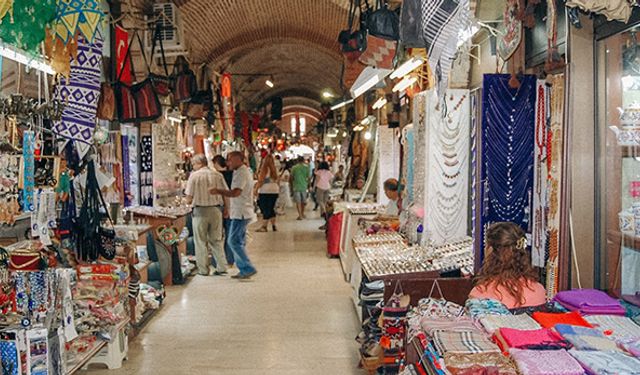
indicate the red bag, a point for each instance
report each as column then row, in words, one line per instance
column 334, row 229
column 185, row 83
column 26, row 260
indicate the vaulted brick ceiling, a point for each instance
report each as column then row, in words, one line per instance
column 295, row 40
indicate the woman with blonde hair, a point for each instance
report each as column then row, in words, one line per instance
column 506, row 274
column 268, row 190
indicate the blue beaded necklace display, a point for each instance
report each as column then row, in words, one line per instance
column 508, row 132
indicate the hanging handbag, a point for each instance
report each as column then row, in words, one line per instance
column 202, row 102
column 148, row 107
column 411, row 34
column 384, row 23
column 107, row 102
column 125, row 103
column 353, row 43
column 185, row 84
column 161, row 83
column 379, row 53
column 67, row 220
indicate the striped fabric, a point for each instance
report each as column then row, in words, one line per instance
column 441, row 22
column 463, row 342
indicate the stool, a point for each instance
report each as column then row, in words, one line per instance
column 113, row 353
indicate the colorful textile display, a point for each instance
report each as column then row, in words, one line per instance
column 456, row 362
column 73, row 16
column 583, row 338
column 25, row 28
column 442, row 20
column 80, row 92
column 539, row 339
column 589, row 301
column 549, row 320
column 507, row 151
column 606, row 363
column 462, row 342
column 545, row 362
column 492, row 323
column 430, row 325
column 617, row 327
column 478, row 307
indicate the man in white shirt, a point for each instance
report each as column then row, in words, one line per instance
column 240, row 212
column 208, row 211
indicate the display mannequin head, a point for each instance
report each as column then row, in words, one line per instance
column 391, row 189
column 506, row 261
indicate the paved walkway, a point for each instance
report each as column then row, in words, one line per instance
column 294, row 317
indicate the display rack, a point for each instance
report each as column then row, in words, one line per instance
column 79, row 363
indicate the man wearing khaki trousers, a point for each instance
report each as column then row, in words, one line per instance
column 208, row 211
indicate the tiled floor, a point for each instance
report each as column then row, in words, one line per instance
column 294, row 317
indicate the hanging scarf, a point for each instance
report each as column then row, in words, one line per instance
column 508, row 118
column 80, row 92
column 73, row 16
column 28, row 184
column 25, row 25
column 442, row 20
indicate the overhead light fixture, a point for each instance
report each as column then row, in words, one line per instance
column 20, row 57
column 332, row 133
column 269, row 83
column 404, row 84
column 381, row 102
column 406, row 68
column 344, row 134
column 341, row 104
column 369, row 78
column 367, row 135
column 327, row 94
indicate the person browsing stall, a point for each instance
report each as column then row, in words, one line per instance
column 267, row 189
column 220, row 165
column 240, row 212
column 391, row 190
column 506, row 274
column 208, row 211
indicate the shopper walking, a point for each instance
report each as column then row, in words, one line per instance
column 300, row 174
column 208, row 211
column 267, row 189
column 220, row 165
column 323, row 179
column 284, row 198
column 240, row 212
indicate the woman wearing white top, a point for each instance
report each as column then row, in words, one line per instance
column 284, row 198
column 268, row 190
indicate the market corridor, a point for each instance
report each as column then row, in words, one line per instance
column 294, row 317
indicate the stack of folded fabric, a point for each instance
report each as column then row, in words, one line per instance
column 539, row 339
column 617, row 327
column 549, row 320
column 492, row 323
column 590, row 302
column 631, row 346
column 606, row 363
column 479, row 307
column 545, row 362
column 479, row 363
column 463, row 323
column 583, row 338
column 372, row 292
column 465, row 342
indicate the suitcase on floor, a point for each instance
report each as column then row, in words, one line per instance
column 334, row 227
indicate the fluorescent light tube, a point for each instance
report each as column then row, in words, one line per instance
column 406, row 68
column 381, row 102
column 22, row 58
column 341, row 104
column 404, row 84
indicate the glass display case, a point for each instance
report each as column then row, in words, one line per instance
column 618, row 151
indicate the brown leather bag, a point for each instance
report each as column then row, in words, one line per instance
column 106, row 102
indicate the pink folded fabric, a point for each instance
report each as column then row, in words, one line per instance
column 546, row 362
column 517, row 338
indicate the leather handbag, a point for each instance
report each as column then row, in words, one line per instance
column 411, row 35
column 384, row 23
column 354, row 42
column 148, row 107
column 161, row 83
column 185, row 84
column 107, row 102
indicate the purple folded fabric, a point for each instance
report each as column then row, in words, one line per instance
column 589, row 301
